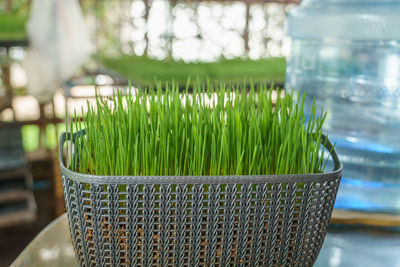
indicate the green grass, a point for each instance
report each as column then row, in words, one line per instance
column 164, row 132
column 142, row 70
column 12, row 27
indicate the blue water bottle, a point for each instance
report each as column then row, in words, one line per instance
column 346, row 55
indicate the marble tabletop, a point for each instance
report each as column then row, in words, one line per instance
column 343, row 246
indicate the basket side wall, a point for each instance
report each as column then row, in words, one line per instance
column 263, row 224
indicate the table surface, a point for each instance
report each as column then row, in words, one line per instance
column 343, row 246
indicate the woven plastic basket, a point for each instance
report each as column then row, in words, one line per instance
column 261, row 220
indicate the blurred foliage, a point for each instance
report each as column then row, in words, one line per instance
column 145, row 71
column 17, row 6
column 12, row 27
column 104, row 17
column 131, row 26
column 30, row 136
column 13, row 21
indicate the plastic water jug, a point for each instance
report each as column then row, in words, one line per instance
column 346, row 55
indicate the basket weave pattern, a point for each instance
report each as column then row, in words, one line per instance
column 268, row 220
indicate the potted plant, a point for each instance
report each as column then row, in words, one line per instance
column 217, row 177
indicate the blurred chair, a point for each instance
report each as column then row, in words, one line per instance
column 17, row 203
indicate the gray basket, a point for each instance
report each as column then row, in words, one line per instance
column 258, row 220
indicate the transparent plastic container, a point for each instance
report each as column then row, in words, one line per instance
column 346, row 55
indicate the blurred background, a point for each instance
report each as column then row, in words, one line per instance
column 53, row 53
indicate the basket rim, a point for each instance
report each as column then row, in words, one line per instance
column 203, row 179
